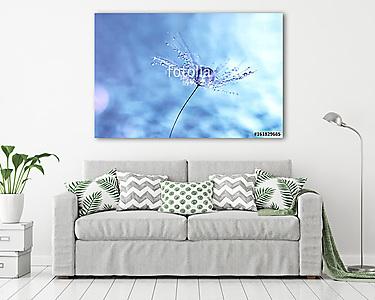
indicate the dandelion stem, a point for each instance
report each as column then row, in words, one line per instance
column 182, row 108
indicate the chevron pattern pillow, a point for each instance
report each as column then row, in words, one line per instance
column 276, row 192
column 139, row 191
column 234, row 191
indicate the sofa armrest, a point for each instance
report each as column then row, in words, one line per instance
column 65, row 212
column 311, row 225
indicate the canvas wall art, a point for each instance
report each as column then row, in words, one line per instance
column 189, row 75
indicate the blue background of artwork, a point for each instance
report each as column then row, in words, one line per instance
column 141, row 101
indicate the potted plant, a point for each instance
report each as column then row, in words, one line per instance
column 14, row 174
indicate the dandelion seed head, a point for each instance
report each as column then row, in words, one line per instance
column 191, row 72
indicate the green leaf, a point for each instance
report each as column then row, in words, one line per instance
column 7, row 150
column 91, row 203
column 289, row 190
column 17, row 160
column 109, row 184
column 6, row 173
column 78, row 188
column 262, row 176
column 71, row 186
column 108, row 207
column 26, row 179
column 112, row 172
column 32, row 159
column 263, row 195
column 47, row 155
column 39, row 167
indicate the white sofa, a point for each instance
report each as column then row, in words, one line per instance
column 149, row 243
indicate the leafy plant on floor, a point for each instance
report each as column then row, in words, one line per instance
column 14, row 173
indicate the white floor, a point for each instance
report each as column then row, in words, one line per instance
column 40, row 284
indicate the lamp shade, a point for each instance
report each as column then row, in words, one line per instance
column 334, row 118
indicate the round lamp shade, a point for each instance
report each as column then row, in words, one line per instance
column 334, row 118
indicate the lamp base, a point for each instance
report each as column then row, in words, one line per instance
column 361, row 269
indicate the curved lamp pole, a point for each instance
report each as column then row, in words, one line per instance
column 336, row 119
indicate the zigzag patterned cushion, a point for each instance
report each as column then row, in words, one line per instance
column 234, row 191
column 139, row 191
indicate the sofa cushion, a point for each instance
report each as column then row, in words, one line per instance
column 131, row 225
column 242, row 225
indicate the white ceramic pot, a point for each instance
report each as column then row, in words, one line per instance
column 11, row 207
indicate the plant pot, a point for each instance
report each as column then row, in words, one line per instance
column 11, row 207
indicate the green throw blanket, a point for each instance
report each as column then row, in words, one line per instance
column 335, row 268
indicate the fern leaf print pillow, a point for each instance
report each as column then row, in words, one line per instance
column 96, row 195
column 276, row 192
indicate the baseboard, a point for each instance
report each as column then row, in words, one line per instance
column 41, row 260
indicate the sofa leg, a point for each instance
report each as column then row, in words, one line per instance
column 312, row 277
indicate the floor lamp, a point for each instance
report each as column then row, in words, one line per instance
column 336, row 119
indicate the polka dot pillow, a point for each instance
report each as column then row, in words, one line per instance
column 186, row 198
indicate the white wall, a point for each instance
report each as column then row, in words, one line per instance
column 46, row 97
